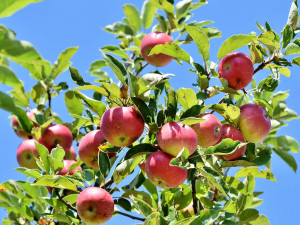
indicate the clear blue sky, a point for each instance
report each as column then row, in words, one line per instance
column 54, row 25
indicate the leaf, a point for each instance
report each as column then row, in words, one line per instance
column 138, row 150
column 63, row 62
column 287, row 157
column 113, row 89
column 89, row 176
column 186, row 97
column 96, row 65
column 22, row 117
column 148, row 13
column 56, row 159
column 124, row 203
column 287, row 35
column 56, row 181
column 233, row 43
column 249, row 215
column 285, row 143
column 133, row 16
column 119, row 28
column 296, row 61
column 104, row 163
column 237, row 163
column 261, row 220
column 255, row 172
column 9, row 7
column 292, row 48
column 44, row 154
column 194, row 111
column 171, row 49
column 226, row 146
column 34, row 173
column 155, row 219
column 201, row 41
column 71, row 199
column 237, row 185
column 115, row 50
column 143, row 108
column 140, row 195
column 97, row 89
column 8, row 77
column 140, row 205
column 192, row 120
column 76, row 77
column 73, row 103
column 182, row 8
column 7, row 103
column 293, row 18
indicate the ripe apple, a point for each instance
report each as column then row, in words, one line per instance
column 174, row 136
column 67, row 164
column 70, row 153
column 237, row 69
column 161, row 174
column 95, row 205
column 254, row 122
column 208, row 131
column 229, row 131
column 148, row 42
column 56, row 134
column 26, row 153
column 121, row 126
column 17, row 128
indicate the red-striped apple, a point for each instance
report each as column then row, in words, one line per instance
column 26, row 153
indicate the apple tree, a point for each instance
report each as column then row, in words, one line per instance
column 143, row 146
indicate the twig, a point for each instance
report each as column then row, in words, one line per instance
column 226, row 171
column 142, row 67
column 194, row 196
column 214, row 197
column 49, row 97
column 107, row 183
column 61, row 199
column 130, row 216
column 263, row 64
column 219, row 102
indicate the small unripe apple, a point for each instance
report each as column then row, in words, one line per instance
column 56, row 134
column 121, row 126
column 67, row 164
column 17, row 128
column 151, row 40
column 229, row 131
column 70, row 153
column 26, row 153
column 254, row 122
column 174, row 136
column 161, row 174
column 95, row 205
column 208, row 131
column 237, row 69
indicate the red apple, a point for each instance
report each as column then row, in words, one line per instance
column 148, row 42
column 26, row 153
column 174, row 136
column 70, row 153
column 121, row 126
column 208, row 131
column 56, row 134
column 161, row 174
column 237, row 69
column 254, row 122
column 229, row 131
column 95, row 205
column 67, row 164
column 17, row 128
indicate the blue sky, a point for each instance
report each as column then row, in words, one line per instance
column 52, row 26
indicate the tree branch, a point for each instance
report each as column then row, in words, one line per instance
column 130, row 216
column 49, row 97
column 142, row 67
column 61, row 199
column 263, row 64
column 194, row 196
column 107, row 183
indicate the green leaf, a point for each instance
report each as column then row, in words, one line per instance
column 237, row 163
column 117, row 67
column 124, row 203
column 285, row 143
column 119, row 28
column 155, row 219
column 186, row 97
column 296, row 61
column 148, row 13
column 133, row 16
column 7, row 103
column 25, row 123
column 113, row 89
column 293, row 18
column 194, row 111
column 171, row 49
column 8, row 77
column 255, row 172
column 97, row 89
column 44, row 154
column 292, row 48
column 226, row 146
column 115, row 50
column 34, row 173
column 288, row 158
column 191, row 120
column 143, row 108
column 89, row 176
column 73, row 103
column 233, row 43
column 236, row 184
column 182, row 8
column 96, row 65
column 9, row 7
column 172, row 105
column 287, row 35
column 249, row 215
column 261, row 220
column 104, row 163
column 135, row 183
column 56, row 181
column 140, row 195
column 144, row 208
column 71, row 199
column 56, row 159
column 77, row 78
column 151, row 188
column 201, row 41
column 138, row 150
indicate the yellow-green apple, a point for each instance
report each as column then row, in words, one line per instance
column 26, row 153
column 121, row 126
column 56, row 134
column 174, row 136
column 161, row 174
column 67, row 164
column 70, row 153
column 17, row 128
column 151, row 40
column 95, row 205
column 208, row 131
column 254, row 122
column 237, row 69
column 229, row 131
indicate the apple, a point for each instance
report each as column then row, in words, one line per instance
column 237, row 69
column 229, row 131
column 70, row 153
column 17, row 128
column 208, row 131
column 121, row 126
column 56, row 134
column 148, row 42
column 95, row 205
column 67, row 164
column 254, row 122
column 26, row 153
column 174, row 136
column 161, row 174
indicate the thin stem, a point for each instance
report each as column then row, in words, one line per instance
column 107, row 183
column 226, row 171
column 130, row 216
column 61, row 199
column 142, row 67
column 263, row 64
column 194, row 196
column 49, row 97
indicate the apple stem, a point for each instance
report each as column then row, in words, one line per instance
column 130, row 216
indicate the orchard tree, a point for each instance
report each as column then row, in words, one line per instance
column 174, row 147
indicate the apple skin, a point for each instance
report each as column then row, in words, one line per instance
column 56, row 134
column 26, row 153
column 95, row 205
column 148, row 42
column 121, row 126
column 237, row 68
column 67, row 164
column 70, row 153
column 174, row 136
column 161, row 174
column 208, row 131
column 254, row 123
column 17, row 128
column 229, row 131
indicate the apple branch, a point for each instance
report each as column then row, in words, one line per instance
column 142, row 67
column 130, row 216
column 194, row 196
column 263, row 64
column 63, row 201
column 49, row 97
